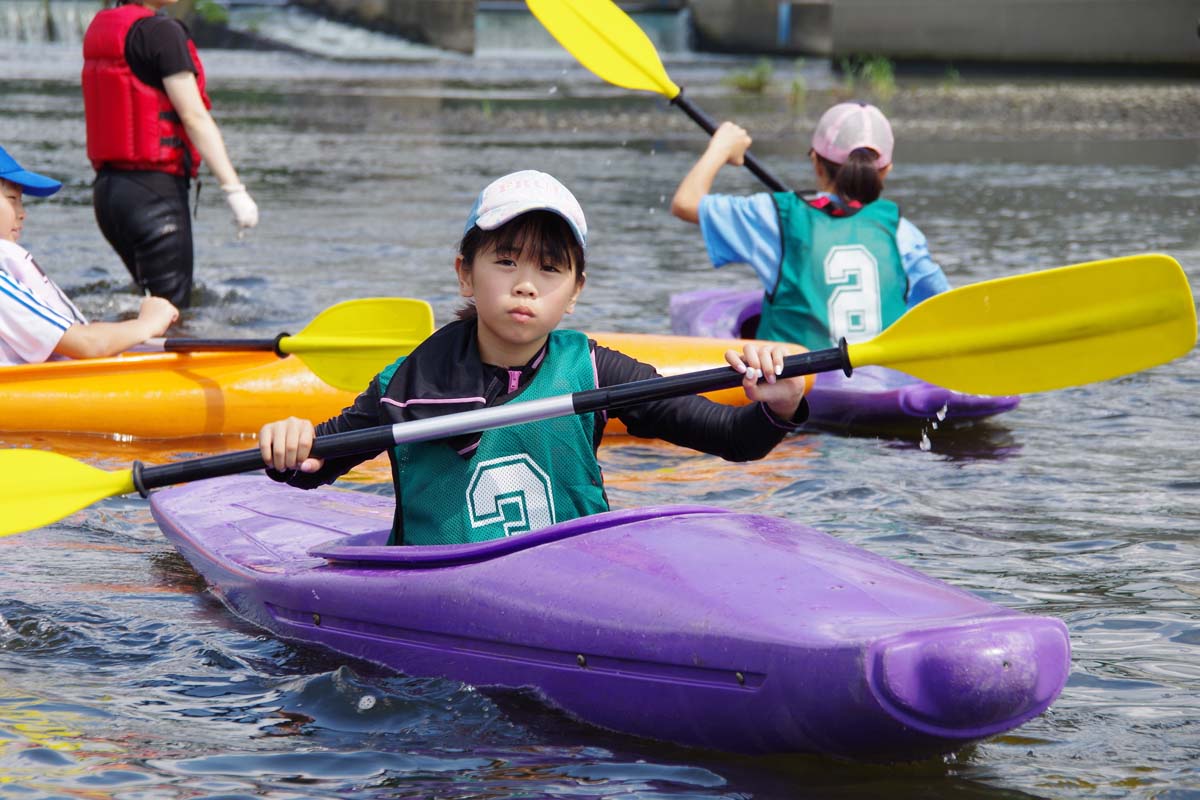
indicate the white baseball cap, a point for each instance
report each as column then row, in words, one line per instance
column 849, row 126
column 517, row 193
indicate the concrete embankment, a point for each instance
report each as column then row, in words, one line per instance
column 1108, row 32
column 1144, row 32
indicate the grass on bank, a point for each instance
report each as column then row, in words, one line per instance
column 753, row 80
column 211, row 11
column 873, row 75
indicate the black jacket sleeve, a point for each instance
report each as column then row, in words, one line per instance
column 363, row 414
column 735, row 433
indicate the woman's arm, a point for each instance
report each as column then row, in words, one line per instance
column 199, row 124
column 206, row 136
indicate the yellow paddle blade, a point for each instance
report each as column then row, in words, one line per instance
column 1044, row 330
column 604, row 39
column 38, row 487
column 347, row 344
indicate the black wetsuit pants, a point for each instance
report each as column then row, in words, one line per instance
column 144, row 216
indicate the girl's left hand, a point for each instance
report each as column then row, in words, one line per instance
column 765, row 360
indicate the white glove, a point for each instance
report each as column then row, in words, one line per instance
column 245, row 210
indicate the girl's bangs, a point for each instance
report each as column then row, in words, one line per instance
column 541, row 235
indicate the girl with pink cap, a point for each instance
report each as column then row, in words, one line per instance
column 842, row 263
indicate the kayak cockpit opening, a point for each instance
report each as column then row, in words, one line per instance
column 371, row 548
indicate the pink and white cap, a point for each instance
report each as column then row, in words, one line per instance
column 849, row 126
column 514, row 194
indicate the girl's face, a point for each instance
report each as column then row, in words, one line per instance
column 12, row 211
column 519, row 299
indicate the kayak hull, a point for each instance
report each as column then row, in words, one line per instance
column 174, row 395
column 688, row 624
column 874, row 398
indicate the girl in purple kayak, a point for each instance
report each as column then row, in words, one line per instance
column 521, row 266
column 843, row 263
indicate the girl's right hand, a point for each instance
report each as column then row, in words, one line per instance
column 731, row 141
column 285, row 445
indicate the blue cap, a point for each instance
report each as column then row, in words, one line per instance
column 30, row 182
column 517, row 193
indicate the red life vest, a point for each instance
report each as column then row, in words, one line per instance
column 130, row 125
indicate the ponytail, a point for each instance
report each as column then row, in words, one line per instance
column 858, row 179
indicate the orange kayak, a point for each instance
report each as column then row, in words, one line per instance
column 173, row 395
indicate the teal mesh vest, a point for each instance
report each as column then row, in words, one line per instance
column 840, row 276
column 521, row 478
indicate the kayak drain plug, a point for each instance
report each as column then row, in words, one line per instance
column 316, row 619
column 581, row 660
column 741, row 679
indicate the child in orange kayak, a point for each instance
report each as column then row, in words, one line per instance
column 841, row 264
column 37, row 321
column 521, row 266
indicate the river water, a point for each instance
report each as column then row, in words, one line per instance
column 121, row 677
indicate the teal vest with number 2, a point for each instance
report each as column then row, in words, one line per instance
column 521, row 477
column 840, row 276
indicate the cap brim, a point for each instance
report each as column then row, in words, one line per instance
column 506, row 213
column 33, row 184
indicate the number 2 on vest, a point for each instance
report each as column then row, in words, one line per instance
column 515, row 484
column 853, row 305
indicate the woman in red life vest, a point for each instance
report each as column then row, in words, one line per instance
column 148, row 128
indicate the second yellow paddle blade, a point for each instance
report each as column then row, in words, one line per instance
column 347, row 344
column 38, row 487
column 1044, row 330
column 604, row 39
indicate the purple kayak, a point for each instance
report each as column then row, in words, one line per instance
column 688, row 624
column 873, row 399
